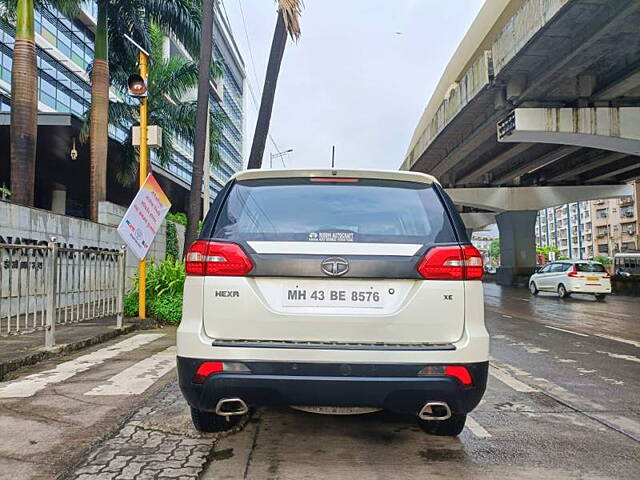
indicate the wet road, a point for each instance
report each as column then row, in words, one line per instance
column 563, row 402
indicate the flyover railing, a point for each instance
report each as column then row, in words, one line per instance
column 43, row 286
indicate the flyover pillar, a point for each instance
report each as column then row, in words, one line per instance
column 517, row 246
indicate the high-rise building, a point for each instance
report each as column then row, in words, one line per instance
column 591, row 229
column 616, row 224
column 64, row 51
column 567, row 227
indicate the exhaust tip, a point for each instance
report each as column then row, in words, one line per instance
column 228, row 407
column 435, row 411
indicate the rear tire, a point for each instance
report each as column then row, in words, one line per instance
column 600, row 297
column 562, row 291
column 211, row 422
column 444, row 428
column 533, row 288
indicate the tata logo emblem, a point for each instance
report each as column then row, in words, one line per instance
column 335, row 266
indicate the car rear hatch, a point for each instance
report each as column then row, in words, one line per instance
column 334, row 260
column 590, row 274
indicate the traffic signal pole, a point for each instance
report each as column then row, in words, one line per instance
column 144, row 159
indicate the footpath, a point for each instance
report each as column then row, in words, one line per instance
column 17, row 351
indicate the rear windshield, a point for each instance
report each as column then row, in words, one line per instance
column 303, row 210
column 590, row 267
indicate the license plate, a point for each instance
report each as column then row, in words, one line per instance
column 593, row 279
column 364, row 296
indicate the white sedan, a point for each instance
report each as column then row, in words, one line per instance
column 572, row 276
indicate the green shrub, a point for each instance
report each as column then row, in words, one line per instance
column 165, row 281
column 172, row 241
column 179, row 217
column 603, row 260
column 131, row 304
column 164, row 278
column 167, row 308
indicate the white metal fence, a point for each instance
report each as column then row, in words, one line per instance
column 42, row 286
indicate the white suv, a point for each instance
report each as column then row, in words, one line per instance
column 572, row 276
column 333, row 288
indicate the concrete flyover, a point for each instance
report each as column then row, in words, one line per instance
column 538, row 94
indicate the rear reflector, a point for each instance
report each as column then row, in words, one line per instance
column 459, row 372
column 215, row 258
column 206, row 369
column 452, row 263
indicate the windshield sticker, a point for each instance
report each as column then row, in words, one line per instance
column 331, row 236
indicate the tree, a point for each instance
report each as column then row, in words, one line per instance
column 606, row 261
column 115, row 19
column 169, row 80
column 494, row 249
column 547, row 250
column 206, row 50
column 24, row 93
column 288, row 23
column 99, row 138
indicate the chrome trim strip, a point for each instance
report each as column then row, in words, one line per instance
column 331, row 345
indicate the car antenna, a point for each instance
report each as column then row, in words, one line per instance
column 333, row 156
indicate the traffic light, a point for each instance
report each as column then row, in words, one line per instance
column 137, row 86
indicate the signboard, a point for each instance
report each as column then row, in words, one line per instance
column 142, row 221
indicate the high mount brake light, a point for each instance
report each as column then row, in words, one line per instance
column 452, row 263
column 206, row 258
column 333, row 180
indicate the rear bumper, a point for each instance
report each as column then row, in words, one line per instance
column 592, row 289
column 394, row 387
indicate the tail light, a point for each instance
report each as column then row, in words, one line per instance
column 214, row 258
column 460, row 372
column 573, row 272
column 452, row 263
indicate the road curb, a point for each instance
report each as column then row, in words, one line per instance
column 30, row 359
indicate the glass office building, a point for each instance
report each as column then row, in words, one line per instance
column 64, row 53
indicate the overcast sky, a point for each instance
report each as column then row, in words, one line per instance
column 359, row 77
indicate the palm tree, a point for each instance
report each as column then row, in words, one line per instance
column 170, row 81
column 288, row 23
column 99, row 138
column 206, row 49
column 24, row 93
column 115, row 19
column 180, row 17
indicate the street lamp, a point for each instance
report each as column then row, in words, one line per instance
column 138, row 87
column 278, row 155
